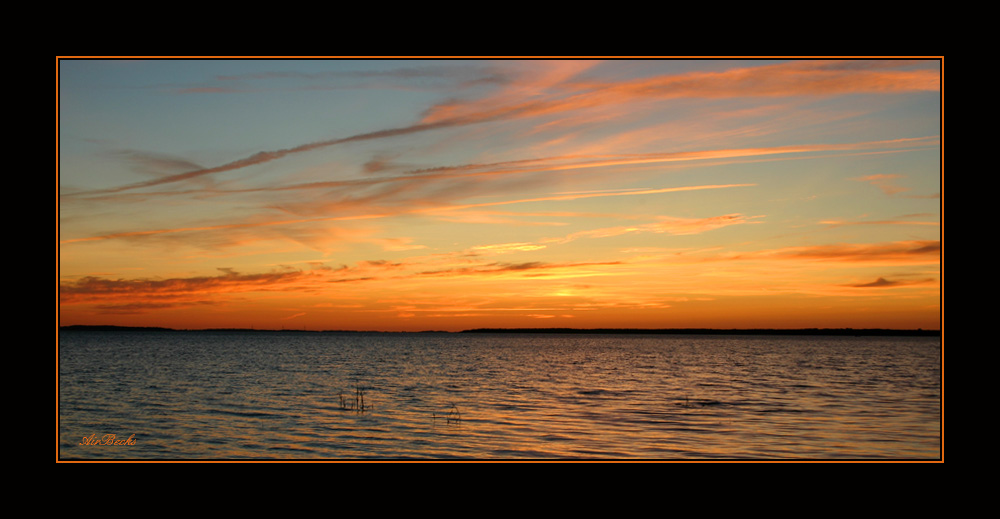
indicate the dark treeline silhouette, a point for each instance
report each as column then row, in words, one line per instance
column 715, row 331
column 110, row 328
column 664, row 331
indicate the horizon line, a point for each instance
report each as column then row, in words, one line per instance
column 679, row 331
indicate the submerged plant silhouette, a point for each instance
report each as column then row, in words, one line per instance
column 359, row 400
column 454, row 416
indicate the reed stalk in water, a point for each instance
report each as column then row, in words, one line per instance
column 454, row 416
column 359, row 401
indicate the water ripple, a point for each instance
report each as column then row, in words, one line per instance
column 292, row 396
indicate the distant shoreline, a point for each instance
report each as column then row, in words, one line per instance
column 582, row 331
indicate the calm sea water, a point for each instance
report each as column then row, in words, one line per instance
column 289, row 395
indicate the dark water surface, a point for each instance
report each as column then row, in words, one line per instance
column 291, row 395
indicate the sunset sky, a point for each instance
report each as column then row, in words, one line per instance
column 407, row 195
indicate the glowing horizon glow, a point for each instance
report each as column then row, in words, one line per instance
column 408, row 195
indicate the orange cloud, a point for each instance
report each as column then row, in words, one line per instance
column 915, row 252
column 220, row 227
column 92, row 289
column 884, row 183
column 840, row 223
column 666, row 224
column 230, row 293
column 794, row 78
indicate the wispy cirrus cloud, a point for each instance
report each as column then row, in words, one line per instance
column 794, row 78
column 427, row 191
column 462, row 75
column 504, row 248
column 884, row 182
column 373, row 202
column 226, row 228
column 151, row 163
column 910, row 252
column 558, row 198
column 423, row 77
column 551, row 88
column 568, row 162
column 207, row 90
column 665, row 224
column 901, row 220
column 268, row 156
column 531, row 269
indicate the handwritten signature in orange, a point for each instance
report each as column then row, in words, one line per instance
column 107, row 439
